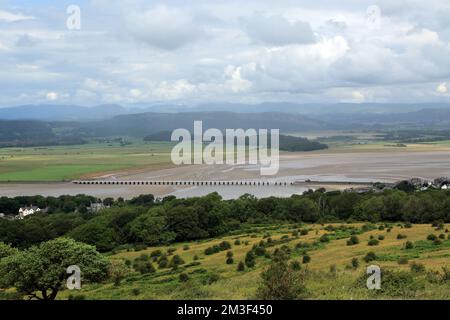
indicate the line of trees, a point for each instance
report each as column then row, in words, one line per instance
column 144, row 220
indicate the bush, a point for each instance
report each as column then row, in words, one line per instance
column 431, row 237
column 408, row 245
column 241, row 266
column 237, row 242
column 224, row 245
column 176, row 261
column 408, row 225
column 402, row 260
column 295, row 265
column 401, row 236
column 306, row 259
column 186, row 247
column 370, row 256
column 373, row 242
column 381, row 228
column 280, row 282
column 324, row 238
column 355, row 263
column 143, row 267
column 417, row 267
column 183, row 277
column 353, row 240
column 304, row 232
column 136, row 291
column 250, row 260
column 437, row 242
column 380, row 237
column 156, row 253
column 163, row 263
column 260, row 251
column 170, row 251
column 230, row 254
column 196, row 258
column 442, row 236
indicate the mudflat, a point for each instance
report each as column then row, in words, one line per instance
column 333, row 166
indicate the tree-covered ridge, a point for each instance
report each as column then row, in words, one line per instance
column 144, row 220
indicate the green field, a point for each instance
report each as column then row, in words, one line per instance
column 71, row 162
column 329, row 274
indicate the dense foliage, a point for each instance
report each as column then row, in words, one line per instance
column 146, row 221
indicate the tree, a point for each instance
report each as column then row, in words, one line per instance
column 280, row 282
column 43, row 269
column 151, row 228
column 118, row 270
column 6, row 250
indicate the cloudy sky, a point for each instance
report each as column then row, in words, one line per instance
column 141, row 52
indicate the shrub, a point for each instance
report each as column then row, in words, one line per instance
column 225, row 245
column 324, row 238
column 260, row 251
column 186, row 247
column 230, row 254
column 241, row 266
column 295, row 234
column 163, row 262
column 212, row 278
column 237, row 242
column 136, row 291
column 380, row 237
column 355, row 263
column 402, row 260
column 408, row 225
column 156, row 253
column 409, row 245
column 143, row 266
column 437, row 242
column 442, row 236
column 353, row 240
column 381, row 228
column 388, row 229
column 170, row 251
column 176, row 261
column 401, row 236
column 196, row 258
column 250, row 259
column 280, row 282
column 229, row 260
column 373, row 242
column 306, row 259
column 295, row 265
column 370, row 256
column 304, row 232
column 417, row 267
column 431, row 237
column 183, row 277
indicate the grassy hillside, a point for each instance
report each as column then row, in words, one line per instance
column 329, row 274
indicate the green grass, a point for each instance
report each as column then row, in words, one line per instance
column 320, row 282
column 72, row 162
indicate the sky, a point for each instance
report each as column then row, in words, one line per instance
column 248, row 51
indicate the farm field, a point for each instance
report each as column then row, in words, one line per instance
column 70, row 162
column 328, row 275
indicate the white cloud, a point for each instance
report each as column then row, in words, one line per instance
column 442, row 88
column 52, row 96
column 13, row 17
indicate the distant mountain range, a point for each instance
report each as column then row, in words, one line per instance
column 53, row 112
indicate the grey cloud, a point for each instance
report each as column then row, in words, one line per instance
column 165, row 28
column 277, row 30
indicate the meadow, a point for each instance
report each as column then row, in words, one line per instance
column 330, row 273
column 62, row 163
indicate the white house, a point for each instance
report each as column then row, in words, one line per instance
column 26, row 211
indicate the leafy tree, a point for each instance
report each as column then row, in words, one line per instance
column 151, row 228
column 43, row 269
